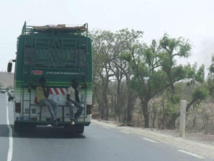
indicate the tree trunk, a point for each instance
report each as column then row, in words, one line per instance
column 153, row 120
column 105, row 98
column 170, row 82
column 118, row 105
column 105, row 104
column 171, row 123
column 194, row 122
column 129, row 106
column 106, row 107
column 146, row 114
column 102, row 109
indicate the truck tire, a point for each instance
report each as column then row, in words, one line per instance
column 23, row 127
column 79, row 129
column 76, row 129
column 17, row 127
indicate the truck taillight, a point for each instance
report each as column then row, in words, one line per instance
column 18, row 107
column 88, row 110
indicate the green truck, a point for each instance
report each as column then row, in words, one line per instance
column 59, row 53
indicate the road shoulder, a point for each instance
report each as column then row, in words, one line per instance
column 180, row 143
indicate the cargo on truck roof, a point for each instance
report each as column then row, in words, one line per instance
column 59, row 27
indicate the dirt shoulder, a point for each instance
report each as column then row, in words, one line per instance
column 193, row 142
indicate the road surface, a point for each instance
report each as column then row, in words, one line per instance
column 98, row 143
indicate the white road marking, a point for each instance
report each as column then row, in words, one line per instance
column 150, row 140
column 125, row 132
column 10, row 149
column 192, row 154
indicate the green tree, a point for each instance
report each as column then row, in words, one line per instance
column 148, row 79
column 124, row 41
column 199, row 93
column 170, row 50
column 108, row 66
column 210, row 79
column 102, row 47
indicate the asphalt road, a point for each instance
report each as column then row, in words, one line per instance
column 98, row 143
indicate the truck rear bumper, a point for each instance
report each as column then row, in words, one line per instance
column 60, row 123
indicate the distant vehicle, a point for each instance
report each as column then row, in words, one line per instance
column 3, row 90
column 10, row 94
column 59, row 54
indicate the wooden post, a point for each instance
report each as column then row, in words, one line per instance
column 182, row 119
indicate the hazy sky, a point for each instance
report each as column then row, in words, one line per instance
column 191, row 19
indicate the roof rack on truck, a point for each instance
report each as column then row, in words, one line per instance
column 80, row 29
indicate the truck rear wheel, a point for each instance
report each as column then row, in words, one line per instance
column 16, row 127
column 23, row 127
column 80, row 129
column 77, row 129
